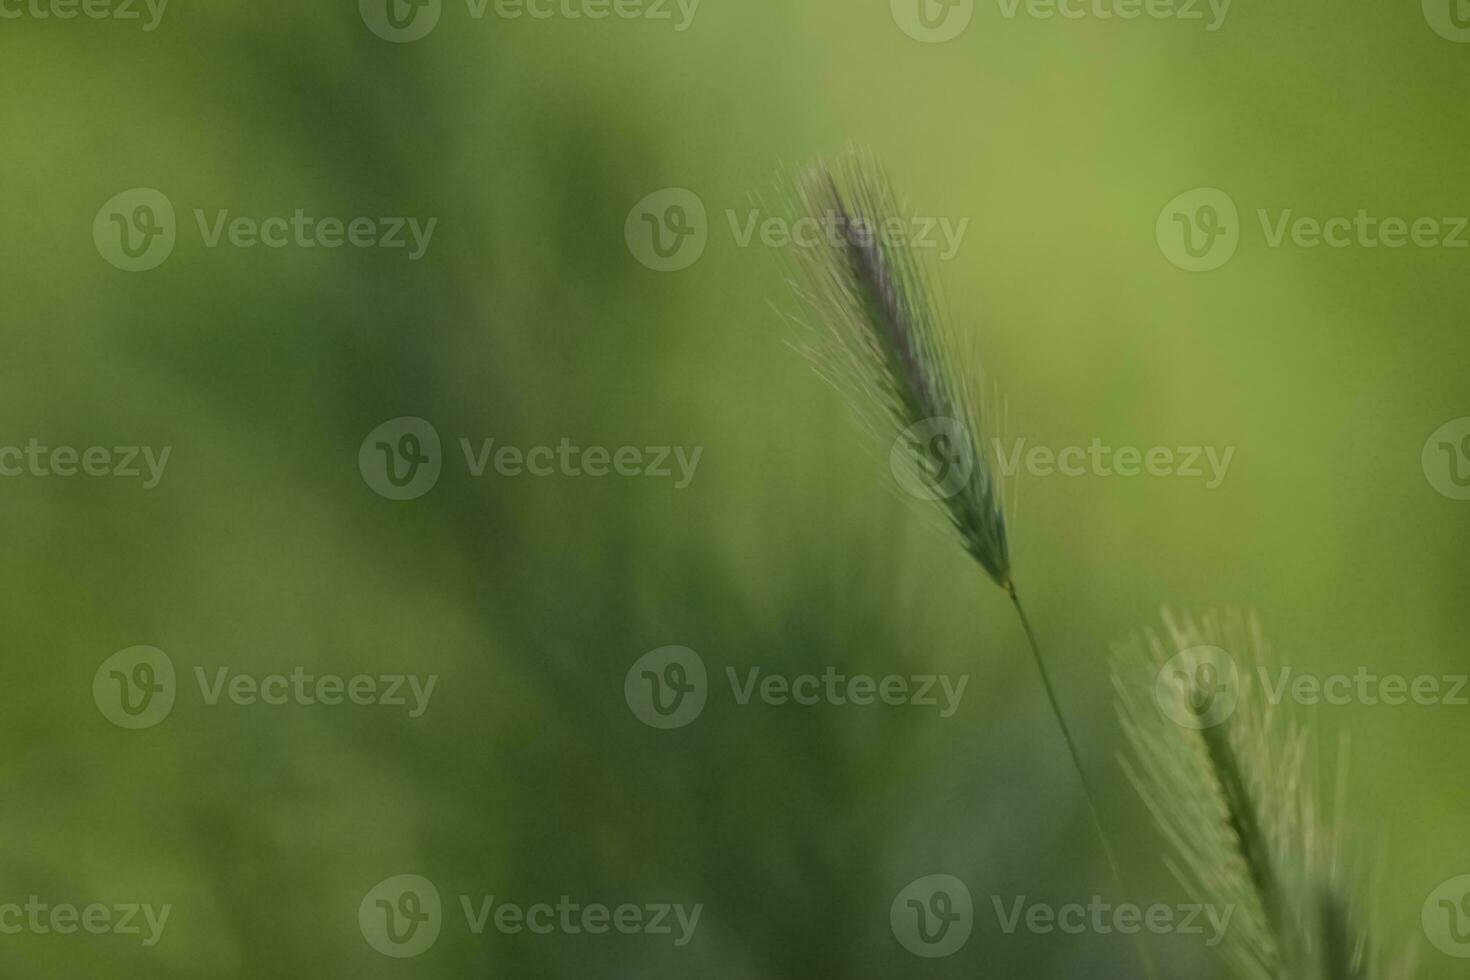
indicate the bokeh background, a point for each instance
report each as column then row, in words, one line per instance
column 529, row 320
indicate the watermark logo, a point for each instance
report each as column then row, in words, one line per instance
column 1446, row 459
column 135, row 231
column 401, row 459
column 1446, row 917
column 667, row 231
column 667, row 688
column 1450, row 19
column 933, row 916
column 401, row 916
column 1198, row 687
column 400, row 21
column 932, row 21
column 1199, row 230
column 933, row 459
column 135, row 688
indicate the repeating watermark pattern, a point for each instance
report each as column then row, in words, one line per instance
column 137, row 230
column 918, row 232
column 571, row 918
column 403, row 916
column 402, row 21
column 137, row 688
column 668, row 687
column 932, row 21
column 933, row 916
column 1106, row 918
column 668, row 230
column 1200, row 229
column 937, row 21
column 934, row 460
column 1446, row 459
column 1364, row 687
column 147, row 13
column 35, row 459
column 676, row 463
column 402, row 460
column 1446, row 917
column 1450, row 19
column 1200, row 687
column 1207, row 463
column 1209, row 13
column 144, row 921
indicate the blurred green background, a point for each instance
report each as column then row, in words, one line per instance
column 530, row 320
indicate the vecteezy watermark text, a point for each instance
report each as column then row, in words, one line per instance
column 120, row 10
column 119, row 462
column 834, row 230
column 1200, row 230
column 137, row 230
column 402, row 459
column 1102, row 917
column 402, row 916
column 933, row 917
column 668, row 688
column 668, row 230
column 937, row 21
column 1200, row 687
column 1208, row 463
column 402, row 21
column 65, row 919
column 137, row 688
column 935, row 459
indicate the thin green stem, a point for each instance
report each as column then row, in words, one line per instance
column 1087, row 792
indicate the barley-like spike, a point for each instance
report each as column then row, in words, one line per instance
column 1236, row 799
column 877, row 333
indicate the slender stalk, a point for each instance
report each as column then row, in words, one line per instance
column 1087, row 792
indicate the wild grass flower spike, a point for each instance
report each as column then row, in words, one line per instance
column 1229, row 778
column 878, row 333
